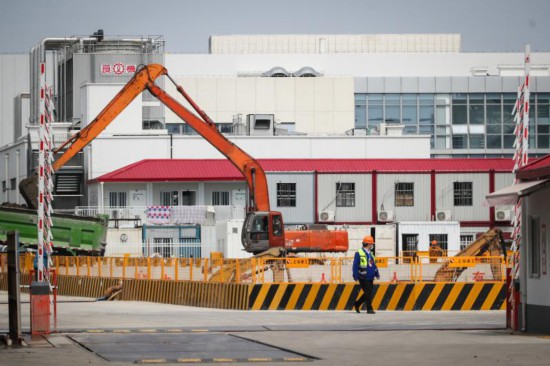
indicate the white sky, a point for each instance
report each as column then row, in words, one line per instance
column 485, row 25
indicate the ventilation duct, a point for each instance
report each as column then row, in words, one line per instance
column 277, row 72
column 306, row 72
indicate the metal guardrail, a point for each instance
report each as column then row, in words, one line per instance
column 273, row 270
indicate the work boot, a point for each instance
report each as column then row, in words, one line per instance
column 371, row 312
column 356, row 306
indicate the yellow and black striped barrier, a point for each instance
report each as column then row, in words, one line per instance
column 290, row 296
column 402, row 296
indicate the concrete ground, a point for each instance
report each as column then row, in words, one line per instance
column 122, row 332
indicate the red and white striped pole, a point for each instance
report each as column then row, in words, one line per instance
column 45, row 184
column 521, row 158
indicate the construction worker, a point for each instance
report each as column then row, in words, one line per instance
column 435, row 251
column 364, row 271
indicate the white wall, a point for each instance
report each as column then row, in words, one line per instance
column 386, row 196
column 316, row 105
column 13, row 160
column 351, row 64
column 538, row 288
column 131, row 149
column 95, row 97
column 326, row 196
column 444, row 189
column 14, row 79
column 424, row 229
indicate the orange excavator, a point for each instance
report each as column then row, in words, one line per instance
column 263, row 228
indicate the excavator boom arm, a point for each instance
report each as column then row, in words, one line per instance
column 145, row 79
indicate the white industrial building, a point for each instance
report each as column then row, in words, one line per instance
column 324, row 97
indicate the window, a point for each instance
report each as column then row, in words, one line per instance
column 286, row 194
column 410, row 244
column 152, row 125
column 225, row 127
column 441, row 239
column 188, row 198
column 477, row 142
column 4, row 186
column 163, row 246
column 360, row 111
column 465, row 240
column 460, row 109
column 169, row 198
column 260, row 228
column 117, row 199
column 277, row 225
column 345, row 194
column 476, row 110
column 460, row 142
column 463, row 194
column 534, row 250
column 220, row 198
column 404, row 194
column 12, row 183
column 393, row 108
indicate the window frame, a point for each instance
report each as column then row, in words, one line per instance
column 399, row 192
column 345, row 194
column 461, row 196
column 286, row 194
column 219, row 198
column 117, row 197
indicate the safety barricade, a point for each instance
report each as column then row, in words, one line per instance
column 386, row 296
column 426, row 296
column 330, row 270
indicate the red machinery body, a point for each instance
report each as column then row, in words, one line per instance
column 316, row 240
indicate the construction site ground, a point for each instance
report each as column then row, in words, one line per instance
column 123, row 332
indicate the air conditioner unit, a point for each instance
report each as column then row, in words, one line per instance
column 385, row 216
column 326, row 216
column 502, row 215
column 443, row 216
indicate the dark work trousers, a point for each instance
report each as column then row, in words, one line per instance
column 366, row 297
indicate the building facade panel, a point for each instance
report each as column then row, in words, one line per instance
column 409, row 85
column 393, row 193
column 347, row 207
column 14, row 80
column 211, row 198
column 293, row 195
column 462, row 195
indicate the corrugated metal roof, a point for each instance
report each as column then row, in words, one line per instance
column 387, row 165
column 173, row 170
column 155, row 170
column 535, row 170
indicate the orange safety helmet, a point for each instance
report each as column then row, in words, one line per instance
column 368, row 240
column 434, row 242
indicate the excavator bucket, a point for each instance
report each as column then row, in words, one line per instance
column 28, row 188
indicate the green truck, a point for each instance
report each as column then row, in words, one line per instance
column 71, row 234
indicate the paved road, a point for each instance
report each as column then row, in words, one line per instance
column 123, row 332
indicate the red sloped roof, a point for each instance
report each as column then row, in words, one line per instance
column 173, row 170
column 537, row 169
column 166, row 170
column 387, row 165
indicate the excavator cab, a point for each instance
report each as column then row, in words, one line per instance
column 262, row 231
